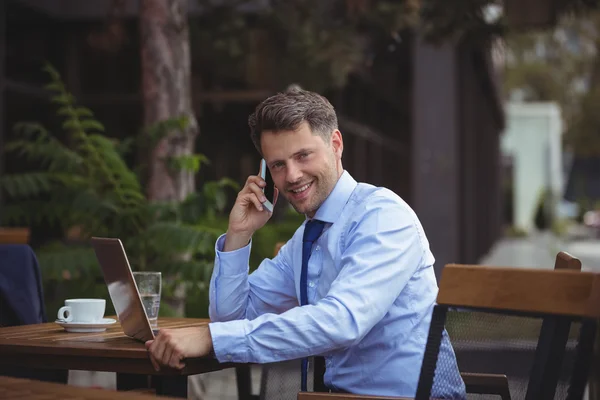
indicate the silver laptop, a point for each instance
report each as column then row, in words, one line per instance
column 122, row 288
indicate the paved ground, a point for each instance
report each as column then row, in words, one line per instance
column 534, row 251
column 540, row 251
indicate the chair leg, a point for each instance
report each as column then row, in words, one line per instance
column 243, row 376
column 173, row 386
column 132, row 381
column 319, row 375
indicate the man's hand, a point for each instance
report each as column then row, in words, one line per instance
column 248, row 214
column 172, row 346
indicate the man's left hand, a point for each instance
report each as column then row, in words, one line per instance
column 172, row 346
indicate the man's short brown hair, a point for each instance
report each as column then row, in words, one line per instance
column 286, row 111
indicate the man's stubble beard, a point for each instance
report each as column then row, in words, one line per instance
column 322, row 190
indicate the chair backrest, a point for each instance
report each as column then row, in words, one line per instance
column 566, row 261
column 22, row 302
column 512, row 357
column 471, row 297
column 14, row 235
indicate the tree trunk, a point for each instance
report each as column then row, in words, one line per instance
column 166, row 89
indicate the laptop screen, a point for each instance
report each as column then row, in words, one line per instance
column 122, row 288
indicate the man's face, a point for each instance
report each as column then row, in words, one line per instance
column 304, row 167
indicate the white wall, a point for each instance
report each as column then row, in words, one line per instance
column 533, row 138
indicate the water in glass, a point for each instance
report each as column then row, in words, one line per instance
column 149, row 286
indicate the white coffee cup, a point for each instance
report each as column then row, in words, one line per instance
column 82, row 310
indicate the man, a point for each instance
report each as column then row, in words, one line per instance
column 367, row 291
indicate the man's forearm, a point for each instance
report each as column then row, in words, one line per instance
column 274, row 338
column 229, row 286
column 228, row 301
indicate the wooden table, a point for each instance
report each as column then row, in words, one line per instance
column 50, row 346
column 13, row 389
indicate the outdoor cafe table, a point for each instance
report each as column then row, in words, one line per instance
column 49, row 346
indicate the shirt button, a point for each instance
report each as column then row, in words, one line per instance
column 311, row 284
column 317, row 248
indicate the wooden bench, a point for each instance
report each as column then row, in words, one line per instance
column 18, row 388
column 14, row 235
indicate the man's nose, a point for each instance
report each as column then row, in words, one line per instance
column 293, row 173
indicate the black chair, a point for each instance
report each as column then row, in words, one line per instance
column 22, row 303
column 537, row 327
column 552, row 318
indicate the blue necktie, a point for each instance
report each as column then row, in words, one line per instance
column 312, row 231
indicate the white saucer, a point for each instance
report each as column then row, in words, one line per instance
column 87, row 327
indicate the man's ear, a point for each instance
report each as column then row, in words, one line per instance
column 337, row 143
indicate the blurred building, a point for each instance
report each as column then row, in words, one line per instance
column 425, row 121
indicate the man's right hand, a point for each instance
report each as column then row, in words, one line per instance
column 248, row 214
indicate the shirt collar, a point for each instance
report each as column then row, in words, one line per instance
column 333, row 205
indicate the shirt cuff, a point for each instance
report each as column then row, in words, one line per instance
column 229, row 341
column 231, row 262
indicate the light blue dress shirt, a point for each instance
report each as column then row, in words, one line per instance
column 371, row 291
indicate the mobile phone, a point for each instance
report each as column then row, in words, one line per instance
column 269, row 189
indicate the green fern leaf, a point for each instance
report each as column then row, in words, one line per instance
column 26, row 184
column 55, row 87
column 54, row 74
column 182, row 122
column 173, row 238
column 164, row 210
column 83, row 112
column 67, row 111
column 92, row 125
column 79, row 261
column 228, row 182
column 21, row 214
column 161, row 129
column 123, row 147
column 188, row 162
column 103, row 144
column 125, row 179
column 87, row 202
column 30, row 129
column 49, row 152
column 107, row 152
column 72, row 124
column 71, row 181
column 132, row 197
column 33, row 212
column 63, row 99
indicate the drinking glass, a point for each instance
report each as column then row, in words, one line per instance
column 149, row 285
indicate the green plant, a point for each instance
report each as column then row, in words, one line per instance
column 265, row 239
column 515, row 232
column 560, row 226
column 263, row 246
column 82, row 185
column 544, row 215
